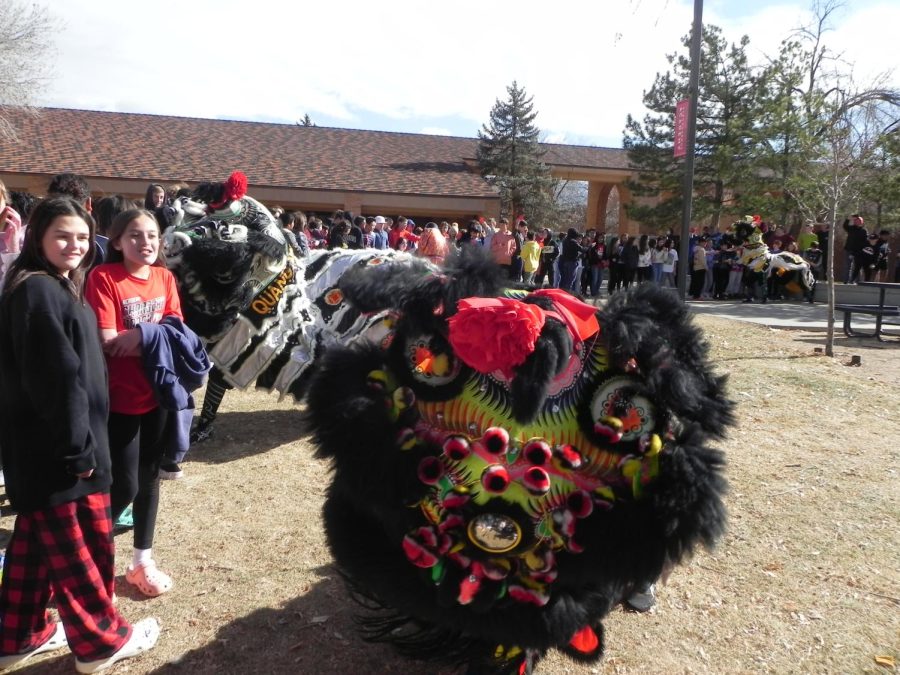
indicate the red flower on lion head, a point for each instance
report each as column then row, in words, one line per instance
column 491, row 334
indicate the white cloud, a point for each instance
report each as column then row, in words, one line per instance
column 435, row 131
column 420, row 65
column 554, row 137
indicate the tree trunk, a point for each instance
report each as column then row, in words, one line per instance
column 785, row 175
column 717, row 206
column 832, row 244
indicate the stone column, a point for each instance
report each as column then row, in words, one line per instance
column 598, row 197
column 353, row 203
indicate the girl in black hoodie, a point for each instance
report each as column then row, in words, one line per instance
column 53, row 408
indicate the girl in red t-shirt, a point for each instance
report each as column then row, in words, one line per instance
column 134, row 287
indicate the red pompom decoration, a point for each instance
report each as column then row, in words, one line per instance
column 235, row 186
column 430, row 470
column 495, row 479
column 537, row 480
column 496, row 440
column 491, row 334
column 585, row 641
column 537, row 452
column 456, row 448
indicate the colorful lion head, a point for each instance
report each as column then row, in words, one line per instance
column 511, row 463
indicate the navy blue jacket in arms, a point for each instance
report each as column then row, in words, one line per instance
column 54, row 396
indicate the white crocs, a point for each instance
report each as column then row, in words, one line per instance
column 56, row 641
column 144, row 635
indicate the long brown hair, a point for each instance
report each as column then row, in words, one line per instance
column 117, row 229
column 148, row 196
column 32, row 260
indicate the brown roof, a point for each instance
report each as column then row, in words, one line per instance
column 585, row 156
column 165, row 148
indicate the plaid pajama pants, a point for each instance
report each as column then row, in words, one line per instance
column 66, row 552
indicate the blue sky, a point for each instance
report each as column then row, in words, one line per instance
column 409, row 66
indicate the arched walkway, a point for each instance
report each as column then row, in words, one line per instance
column 602, row 182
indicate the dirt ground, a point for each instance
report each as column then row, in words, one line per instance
column 807, row 580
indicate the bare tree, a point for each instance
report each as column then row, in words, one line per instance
column 611, row 217
column 26, row 57
column 847, row 131
column 570, row 197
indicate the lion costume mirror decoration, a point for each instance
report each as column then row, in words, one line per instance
column 510, row 464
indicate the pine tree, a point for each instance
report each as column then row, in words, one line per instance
column 510, row 158
column 881, row 181
column 727, row 106
column 788, row 101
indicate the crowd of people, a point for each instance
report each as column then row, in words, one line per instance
column 88, row 310
column 582, row 262
column 866, row 254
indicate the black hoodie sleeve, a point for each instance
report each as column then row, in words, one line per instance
column 53, row 382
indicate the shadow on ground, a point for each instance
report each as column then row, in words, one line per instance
column 313, row 633
column 841, row 341
column 242, row 434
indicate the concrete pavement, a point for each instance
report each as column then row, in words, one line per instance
column 779, row 314
column 787, row 314
column 795, row 314
column 792, row 314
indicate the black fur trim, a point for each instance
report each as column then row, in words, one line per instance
column 390, row 284
column 421, row 641
column 414, row 288
column 533, row 377
column 209, row 193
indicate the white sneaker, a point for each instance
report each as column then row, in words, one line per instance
column 144, row 635
column 170, row 471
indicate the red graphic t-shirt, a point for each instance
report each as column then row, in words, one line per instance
column 122, row 301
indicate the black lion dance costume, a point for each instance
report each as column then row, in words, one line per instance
column 264, row 314
column 512, row 464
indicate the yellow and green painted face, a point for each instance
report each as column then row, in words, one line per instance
column 505, row 497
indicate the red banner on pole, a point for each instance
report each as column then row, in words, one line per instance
column 681, row 124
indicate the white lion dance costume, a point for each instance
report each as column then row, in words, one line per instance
column 761, row 262
column 265, row 315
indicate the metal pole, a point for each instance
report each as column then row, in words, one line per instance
column 688, row 191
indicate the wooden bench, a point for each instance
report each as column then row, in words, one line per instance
column 878, row 311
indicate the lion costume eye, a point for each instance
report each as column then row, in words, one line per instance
column 430, row 365
column 619, row 413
